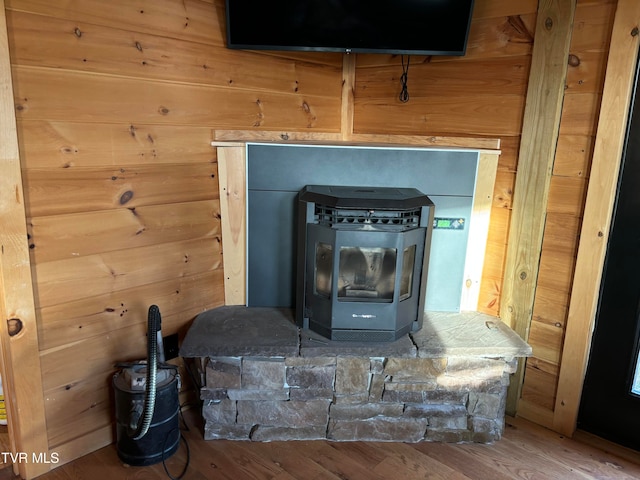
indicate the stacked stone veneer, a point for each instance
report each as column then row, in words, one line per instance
column 452, row 399
column 319, row 390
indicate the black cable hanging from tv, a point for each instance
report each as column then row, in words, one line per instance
column 404, row 92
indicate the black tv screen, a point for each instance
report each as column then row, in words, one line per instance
column 420, row 27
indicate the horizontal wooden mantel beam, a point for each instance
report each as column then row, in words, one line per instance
column 225, row 137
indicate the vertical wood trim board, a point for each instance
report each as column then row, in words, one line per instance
column 479, row 230
column 348, row 88
column 601, row 194
column 21, row 373
column 232, row 185
column 541, row 125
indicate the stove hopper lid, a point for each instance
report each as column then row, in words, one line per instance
column 364, row 197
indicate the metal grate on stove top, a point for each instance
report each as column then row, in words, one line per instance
column 394, row 220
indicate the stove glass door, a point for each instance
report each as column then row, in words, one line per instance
column 367, row 274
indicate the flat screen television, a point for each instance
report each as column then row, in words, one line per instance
column 418, row 27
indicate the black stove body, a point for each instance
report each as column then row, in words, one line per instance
column 362, row 261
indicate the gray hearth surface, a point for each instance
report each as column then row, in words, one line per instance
column 267, row 380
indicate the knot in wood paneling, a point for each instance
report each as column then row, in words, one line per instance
column 126, row 197
column 14, row 326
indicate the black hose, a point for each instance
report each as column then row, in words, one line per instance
column 153, row 326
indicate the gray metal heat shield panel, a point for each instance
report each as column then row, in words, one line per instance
column 271, row 249
column 448, row 255
column 289, row 168
column 276, row 173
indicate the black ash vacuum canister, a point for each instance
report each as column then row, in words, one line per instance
column 147, row 425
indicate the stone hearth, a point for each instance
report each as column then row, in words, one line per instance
column 266, row 380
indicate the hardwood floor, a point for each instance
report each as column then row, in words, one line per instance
column 526, row 451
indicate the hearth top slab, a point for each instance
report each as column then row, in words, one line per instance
column 467, row 333
column 241, row 331
column 255, row 331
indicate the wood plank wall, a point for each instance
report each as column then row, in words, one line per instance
column 483, row 93
column 480, row 94
column 115, row 104
column 593, row 22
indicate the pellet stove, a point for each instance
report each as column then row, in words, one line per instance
column 362, row 261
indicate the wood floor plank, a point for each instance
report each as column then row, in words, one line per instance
column 591, row 461
column 106, row 464
column 234, row 461
column 294, row 458
column 526, row 452
column 363, row 452
column 340, row 464
column 413, row 464
column 466, row 462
